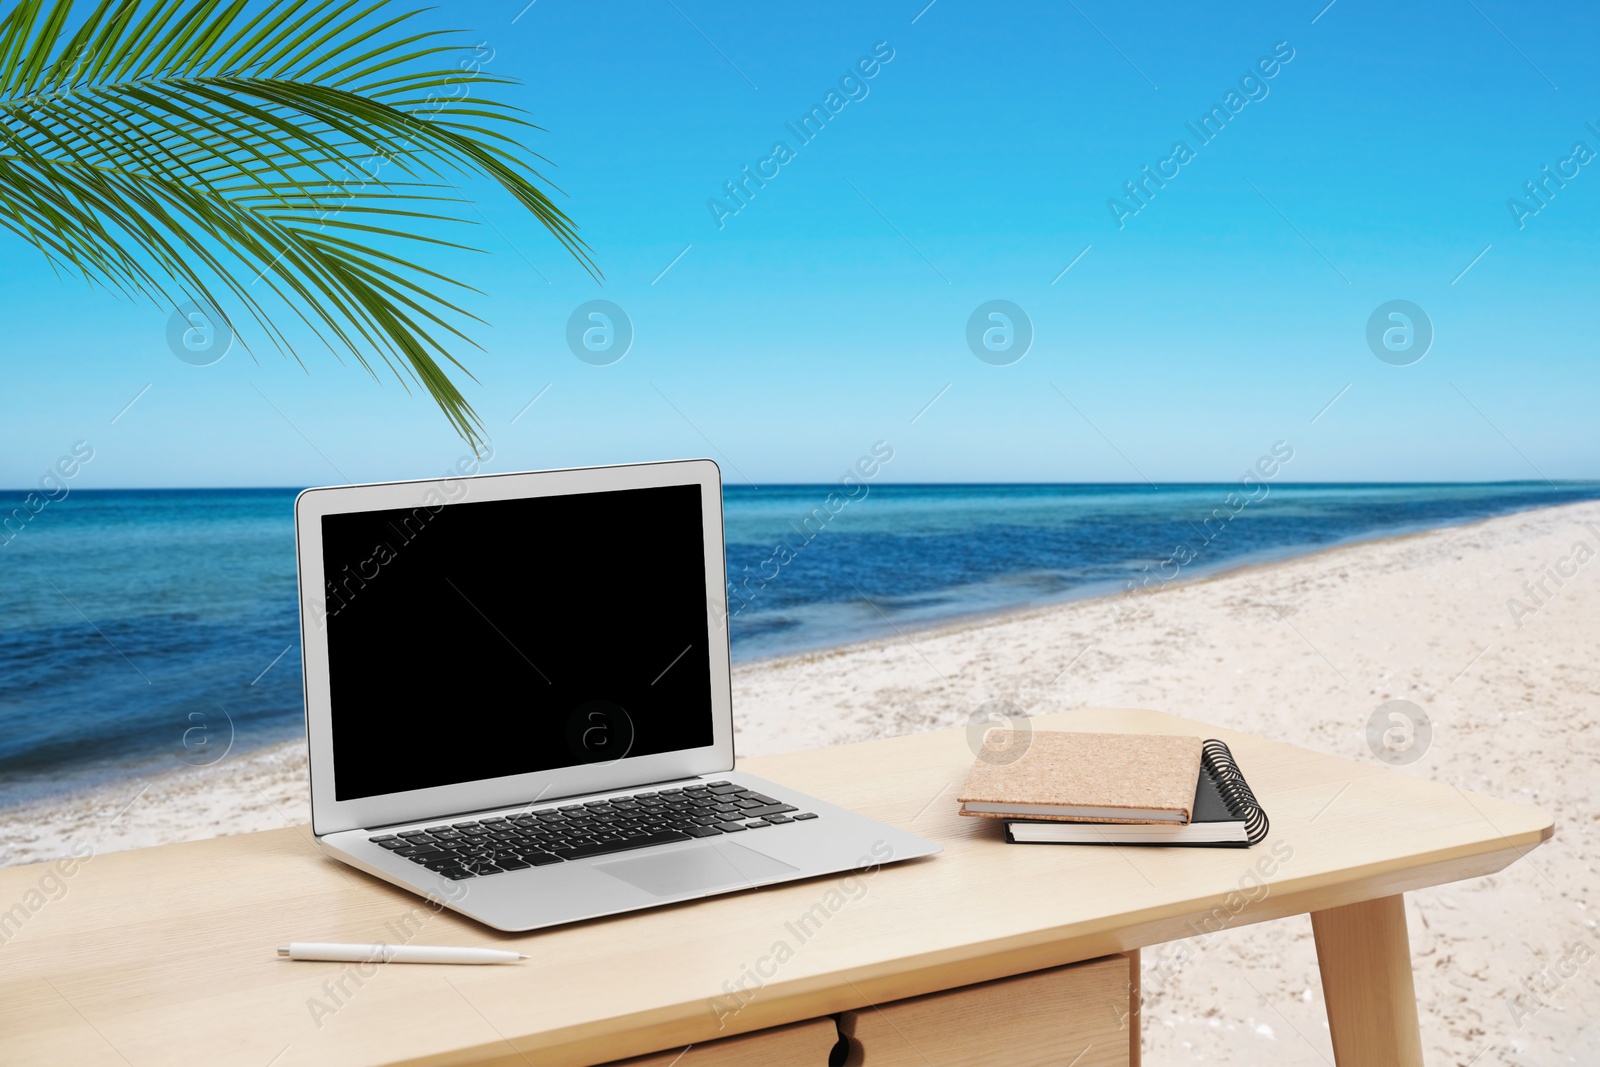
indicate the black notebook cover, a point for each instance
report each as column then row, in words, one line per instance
column 1221, row 795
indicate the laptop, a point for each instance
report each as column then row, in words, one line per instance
column 518, row 700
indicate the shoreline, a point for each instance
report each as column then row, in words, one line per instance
column 104, row 793
column 1258, row 562
column 1030, row 582
column 104, row 783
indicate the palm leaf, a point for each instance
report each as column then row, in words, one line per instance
column 184, row 149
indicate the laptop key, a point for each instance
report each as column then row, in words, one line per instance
column 393, row 843
column 514, row 865
column 418, row 850
column 455, row 874
column 756, row 823
column 804, row 815
column 539, row 859
column 600, row 848
column 730, row 827
column 703, row 831
column 770, row 809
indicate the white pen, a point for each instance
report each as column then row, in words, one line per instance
column 386, row 953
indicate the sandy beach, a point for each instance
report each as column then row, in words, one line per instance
column 1454, row 620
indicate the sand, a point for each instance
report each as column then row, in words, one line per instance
column 1303, row 650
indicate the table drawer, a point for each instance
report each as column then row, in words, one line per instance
column 1076, row 1015
column 804, row 1044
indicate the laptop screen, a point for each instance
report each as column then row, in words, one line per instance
column 482, row 639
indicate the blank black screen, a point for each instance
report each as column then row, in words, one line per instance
column 480, row 639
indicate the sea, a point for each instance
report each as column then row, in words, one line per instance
column 145, row 629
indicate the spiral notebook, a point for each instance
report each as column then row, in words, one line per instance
column 1226, row 814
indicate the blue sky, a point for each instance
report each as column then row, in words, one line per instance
column 833, row 307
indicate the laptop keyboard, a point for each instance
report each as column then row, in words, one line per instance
column 543, row 836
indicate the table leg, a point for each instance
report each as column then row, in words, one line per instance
column 1135, row 1008
column 1365, row 959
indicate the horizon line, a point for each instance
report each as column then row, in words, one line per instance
column 727, row 486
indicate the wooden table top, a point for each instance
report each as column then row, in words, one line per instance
column 168, row 955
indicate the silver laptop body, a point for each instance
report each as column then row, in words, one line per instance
column 518, row 700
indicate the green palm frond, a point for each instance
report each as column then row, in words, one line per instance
column 187, row 149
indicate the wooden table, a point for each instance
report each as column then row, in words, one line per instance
column 166, row 956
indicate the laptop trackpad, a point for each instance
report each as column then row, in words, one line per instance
column 689, row 870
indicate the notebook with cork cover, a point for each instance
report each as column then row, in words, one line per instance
column 1226, row 815
column 1083, row 777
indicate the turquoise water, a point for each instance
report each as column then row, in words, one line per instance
column 148, row 628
